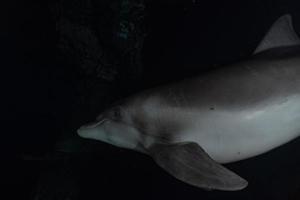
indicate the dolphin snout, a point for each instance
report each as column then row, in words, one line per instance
column 89, row 130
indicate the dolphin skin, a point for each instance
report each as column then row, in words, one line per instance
column 192, row 127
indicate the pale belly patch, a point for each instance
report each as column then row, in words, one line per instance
column 229, row 136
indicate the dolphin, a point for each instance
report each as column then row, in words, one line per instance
column 190, row 128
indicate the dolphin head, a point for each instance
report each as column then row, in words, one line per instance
column 113, row 126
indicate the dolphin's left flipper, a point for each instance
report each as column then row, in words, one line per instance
column 188, row 162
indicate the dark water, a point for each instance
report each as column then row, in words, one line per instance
column 55, row 80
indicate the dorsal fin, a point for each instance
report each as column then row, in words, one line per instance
column 281, row 33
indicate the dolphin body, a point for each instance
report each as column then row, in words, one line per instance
column 191, row 127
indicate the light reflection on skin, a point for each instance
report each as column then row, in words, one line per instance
column 93, row 124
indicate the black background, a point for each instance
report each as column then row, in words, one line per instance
column 41, row 102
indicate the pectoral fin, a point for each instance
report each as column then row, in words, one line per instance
column 189, row 163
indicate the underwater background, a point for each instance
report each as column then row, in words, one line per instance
column 63, row 62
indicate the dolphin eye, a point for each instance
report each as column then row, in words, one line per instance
column 116, row 113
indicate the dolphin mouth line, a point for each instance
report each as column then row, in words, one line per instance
column 93, row 124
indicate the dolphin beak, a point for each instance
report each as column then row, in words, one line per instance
column 90, row 130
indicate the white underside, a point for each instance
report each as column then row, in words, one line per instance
column 232, row 135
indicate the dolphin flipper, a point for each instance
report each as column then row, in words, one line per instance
column 189, row 163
